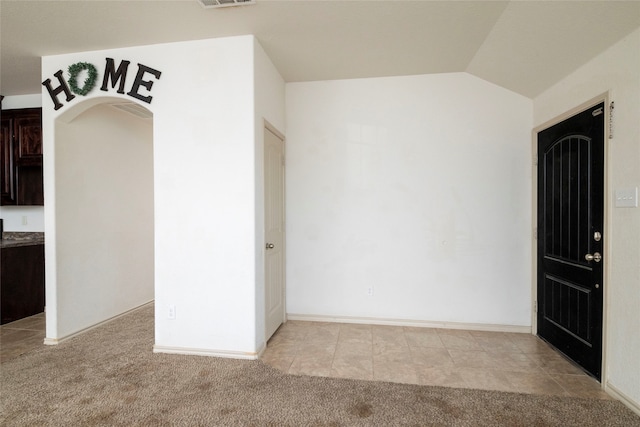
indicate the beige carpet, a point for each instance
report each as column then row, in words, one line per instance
column 109, row 377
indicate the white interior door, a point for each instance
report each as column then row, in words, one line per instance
column 274, row 231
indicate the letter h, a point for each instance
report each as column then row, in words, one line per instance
column 55, row 92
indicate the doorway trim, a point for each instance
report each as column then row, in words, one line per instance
column 604, row 97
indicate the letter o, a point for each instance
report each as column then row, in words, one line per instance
column 89, row 82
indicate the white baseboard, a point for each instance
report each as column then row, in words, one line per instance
column 207, row 352
column 626, row 400
column 56, row 341
column 413, row 323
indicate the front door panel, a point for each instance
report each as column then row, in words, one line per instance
column 570, row 241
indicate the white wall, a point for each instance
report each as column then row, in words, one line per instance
column 617, row 71
column 22, row 101
column 418, row 187
column 204, row 189
column 22, row 218
column 16, row 216
column 205, row 205
column 269, row 106
column 104, row 214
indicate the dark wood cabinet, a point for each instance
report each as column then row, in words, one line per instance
column 21, row 157
column 21, row 282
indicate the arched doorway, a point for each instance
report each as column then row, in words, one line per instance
column 104, row 218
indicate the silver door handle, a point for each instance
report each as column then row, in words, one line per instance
column 595, row 257
column 270, row 246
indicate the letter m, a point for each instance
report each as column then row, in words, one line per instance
column 110, row 72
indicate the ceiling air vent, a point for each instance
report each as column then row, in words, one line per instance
column 209, row 4
column 135, row 109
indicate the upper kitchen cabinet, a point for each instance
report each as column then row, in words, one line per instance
column 21, row 157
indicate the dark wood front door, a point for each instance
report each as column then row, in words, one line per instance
column 571, row 237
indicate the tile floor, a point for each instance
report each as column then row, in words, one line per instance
column 21, row 336
column 442, row 357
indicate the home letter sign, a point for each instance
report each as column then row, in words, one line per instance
column 140, row 88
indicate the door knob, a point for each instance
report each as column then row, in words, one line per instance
column 270, row 246
column 595, row 257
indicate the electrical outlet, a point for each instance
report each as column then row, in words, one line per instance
column 627, row 197
column 171, row 314
column 370, row 291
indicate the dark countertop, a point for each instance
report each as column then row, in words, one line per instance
column 12, row 239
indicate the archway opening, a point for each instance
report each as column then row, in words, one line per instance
column 104, row 216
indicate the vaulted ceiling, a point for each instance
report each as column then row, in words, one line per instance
column 524, row 46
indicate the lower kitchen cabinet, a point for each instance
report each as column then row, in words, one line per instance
column 21, row 282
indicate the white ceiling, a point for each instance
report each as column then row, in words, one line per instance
column 524, row 46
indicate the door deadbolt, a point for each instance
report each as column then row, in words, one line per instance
column 595, row 257
column 270, row 246
column 597, row 236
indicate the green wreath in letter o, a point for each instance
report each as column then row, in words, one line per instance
column 89, row 82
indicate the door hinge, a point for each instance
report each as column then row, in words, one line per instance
column 535, row 233
column 611, row 107
column 535, row 306
column 535, row 161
